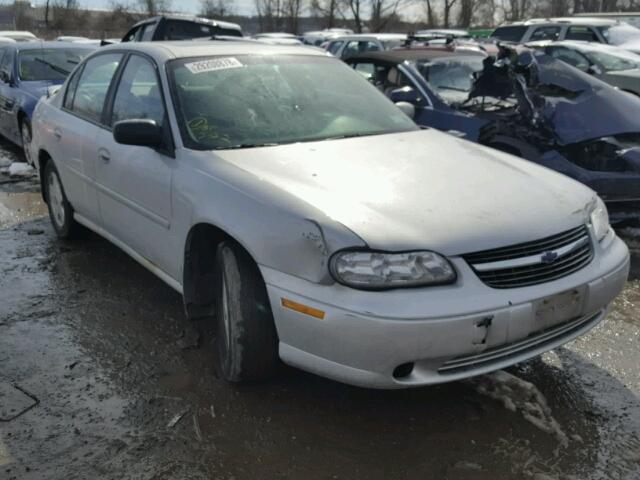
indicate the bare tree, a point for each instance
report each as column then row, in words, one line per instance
column 277, row 15
column 446, row 14
column 382, row 13
column 120, row 17
column 355, row 7
column 154, row 7
column 432, row 16
column 328, row 10
column 216, row 8
column 465, row 15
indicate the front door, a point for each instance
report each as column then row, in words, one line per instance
column 134, row 183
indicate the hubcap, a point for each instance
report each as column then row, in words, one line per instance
column 225, row 312
column 56, row 200
column 26, row 142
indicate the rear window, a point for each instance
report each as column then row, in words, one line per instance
column 53, row 64
column 186, row 30
column 509, row 34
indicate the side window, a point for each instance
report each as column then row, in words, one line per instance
column 571, row 57
column 367, row 70
column 354, row 48
column 146, row 33
column 545, row 33
column 334, row 47
column 93, row 85
column 71, row 90
column 130, row 36
column 510, row 33
column 6, row 67
column 582, row 33
column 138, row 94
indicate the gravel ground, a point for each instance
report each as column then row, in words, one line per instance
column 103, row 377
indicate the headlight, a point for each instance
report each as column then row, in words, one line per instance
column 600, row 219
column 378, row 270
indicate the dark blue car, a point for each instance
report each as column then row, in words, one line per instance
column 27, row 70
column 524, row 103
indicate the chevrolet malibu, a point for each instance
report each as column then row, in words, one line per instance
column 294, row 205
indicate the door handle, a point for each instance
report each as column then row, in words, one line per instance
column 57, row 133
column 104, row 155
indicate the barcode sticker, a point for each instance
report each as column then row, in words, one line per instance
column 213, row 65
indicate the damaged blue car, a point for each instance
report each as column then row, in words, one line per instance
column 525, row 103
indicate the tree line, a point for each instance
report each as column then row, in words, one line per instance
column 359, row 15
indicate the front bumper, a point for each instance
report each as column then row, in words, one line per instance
column 364, row 336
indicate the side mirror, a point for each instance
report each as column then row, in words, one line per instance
column 142, row 132
column 407, row 108
column 404, row 94
column 594, row 70
column 5, row 77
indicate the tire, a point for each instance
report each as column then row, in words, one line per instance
column 60, row 210
column 246, row 342
column 25, row 134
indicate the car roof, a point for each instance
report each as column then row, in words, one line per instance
column 401, row 55
column 164, row 51
column 585, row 21
column 189, row 18
column 369, row 36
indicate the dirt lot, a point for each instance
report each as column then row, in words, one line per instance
column 102, row 377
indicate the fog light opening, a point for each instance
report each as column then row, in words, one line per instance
column 402, row 371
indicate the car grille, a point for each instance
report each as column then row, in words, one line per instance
column 532, row 342
column 534, row 262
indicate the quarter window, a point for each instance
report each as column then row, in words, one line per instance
column 545, row 33
column 582, row 33
column 71, row 90
column 138, row 95
column 93, row 86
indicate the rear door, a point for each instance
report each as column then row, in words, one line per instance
column 75, row 128
column 7, row 96
column 134, row 183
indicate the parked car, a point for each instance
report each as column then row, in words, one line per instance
column 18, row 36
column 527, row 104
column 318, row 38
column 179, row 27
column 317, row 221
column 278, row 38
column 349, row 45
column 27, row 71
column 71, row 38
column 612, row 65
column 578, row 28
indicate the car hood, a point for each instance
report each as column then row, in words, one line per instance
column 422, row 189
column 39, row 88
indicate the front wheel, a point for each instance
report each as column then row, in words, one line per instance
column 60, row 210
column 246, row 338
column 25, row 132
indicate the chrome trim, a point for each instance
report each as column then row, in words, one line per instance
column 536, row 339
column 531, row 259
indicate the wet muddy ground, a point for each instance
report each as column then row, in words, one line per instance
column 102, row 377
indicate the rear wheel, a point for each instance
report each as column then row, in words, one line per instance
column 60, row 210
column 25, row 132
column 246, row 338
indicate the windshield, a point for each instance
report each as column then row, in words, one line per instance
column 52, row 64
column 614, row 63
column 246, row 101
column 451, row 78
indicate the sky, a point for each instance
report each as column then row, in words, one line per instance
column 242, row 7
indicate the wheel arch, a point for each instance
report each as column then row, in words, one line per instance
column 199, row 266
column 43, row 158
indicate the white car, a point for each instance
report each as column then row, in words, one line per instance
column 349, row 45
column 281, row 193
column 18, row 36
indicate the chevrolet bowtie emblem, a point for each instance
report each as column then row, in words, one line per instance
column 549, row 257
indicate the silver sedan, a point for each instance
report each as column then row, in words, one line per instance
column 295, row 205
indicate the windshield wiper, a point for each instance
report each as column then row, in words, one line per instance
column 247, row 145
column 53, row 67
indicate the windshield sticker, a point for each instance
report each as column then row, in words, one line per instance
column 213, row 65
